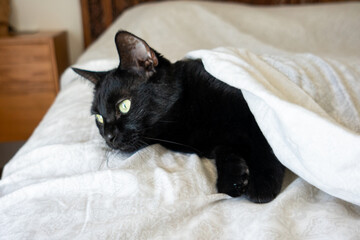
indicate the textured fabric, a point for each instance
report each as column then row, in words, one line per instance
column 65, row 183
column 308, row 109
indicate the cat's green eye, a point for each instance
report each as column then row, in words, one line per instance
column 99, row 118
column 124, row 106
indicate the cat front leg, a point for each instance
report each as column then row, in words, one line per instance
column 266, row 175
column 259, row 178
column 233, row 172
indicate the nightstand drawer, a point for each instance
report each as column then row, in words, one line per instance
column 19, row 114
column 30, row 66
column 33, row 77
column 17, row 54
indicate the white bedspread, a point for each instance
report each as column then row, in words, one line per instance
column 307, row 107
column 300, row 75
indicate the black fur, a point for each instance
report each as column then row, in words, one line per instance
column 184, row 108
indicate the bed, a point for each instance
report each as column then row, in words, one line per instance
column 299, row 69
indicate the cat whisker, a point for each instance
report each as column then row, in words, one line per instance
column 165, row 121
column 140, row 145
column 143, row 153
column 101, row 164
column 106, row 157
column 172, row 142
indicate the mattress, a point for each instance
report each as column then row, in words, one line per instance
column 298, row 67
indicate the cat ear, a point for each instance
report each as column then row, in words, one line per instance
column 135, row 53
column 93, row 77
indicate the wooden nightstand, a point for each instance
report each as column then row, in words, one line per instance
column 30, row 66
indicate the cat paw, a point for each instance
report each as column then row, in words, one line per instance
column 234, row 179
column 263, row 189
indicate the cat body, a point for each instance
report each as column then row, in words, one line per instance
column 148, row 100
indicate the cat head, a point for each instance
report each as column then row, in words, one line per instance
column 130, row 99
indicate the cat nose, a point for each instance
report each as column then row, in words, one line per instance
column 109, row 137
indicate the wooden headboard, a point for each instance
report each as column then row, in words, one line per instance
column 97, row 15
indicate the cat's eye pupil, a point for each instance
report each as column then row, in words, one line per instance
column 124, row 106
column 99, row 118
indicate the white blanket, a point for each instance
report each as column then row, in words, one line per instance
column 307, row 107
column 75, row 187
column 65, row 183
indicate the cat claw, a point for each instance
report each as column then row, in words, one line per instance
column 236, row 183
column 241, row 187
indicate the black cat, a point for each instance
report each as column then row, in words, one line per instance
column 148, row 100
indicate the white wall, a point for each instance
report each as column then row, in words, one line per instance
column 37, row 15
